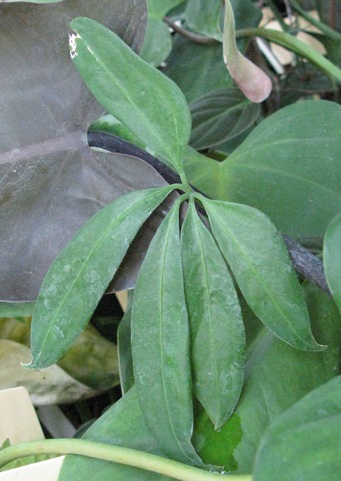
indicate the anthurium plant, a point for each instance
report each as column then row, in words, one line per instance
column 216, row 202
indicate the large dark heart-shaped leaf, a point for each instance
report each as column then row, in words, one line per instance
column 50, row 181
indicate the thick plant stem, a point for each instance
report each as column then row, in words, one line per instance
column 116, row 454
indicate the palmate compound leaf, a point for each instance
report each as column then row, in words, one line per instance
column 332, row 258
column 121, row 425
column 140, row 96
column 160, row 344
column 216, row 325
column 260, row 263
column 50, row 181
column 304, row 442
column 79, row 276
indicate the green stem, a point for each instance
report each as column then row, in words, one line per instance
column 292, row 43
column 329, row 32
column 116, row 454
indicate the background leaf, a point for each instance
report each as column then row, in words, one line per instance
column 122, row 425
column 216, row 325
column 160, row 344
column 205, row 17
column 190, row 66
column 81, row 273
column 277, row 376
column 332, row 258
column 48, row 386
column 304, row 441
column 287, row 167
column 45, row 113
column 111, row 71
column 91, row 362
column 261, row 265
column 220, row 116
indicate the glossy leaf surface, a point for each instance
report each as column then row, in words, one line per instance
column 217, row 330
column 220, row 116
column 260, row 263
column 45, row 112
column 287, row 167
column 160, row 344
column 304, row 442
column 81, row 273
column 122, row 425
column 332, row 258
column 277, row 376
column 156, row 111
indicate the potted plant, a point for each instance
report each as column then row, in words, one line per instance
column 229, row 363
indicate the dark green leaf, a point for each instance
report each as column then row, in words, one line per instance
column 159, row 8
column 332, row 258
column 45, row 113
column 160, row 344
column 217, row 330
column 288, row 168
column 220, row 116
column 191, row 65
column 205, row 16
column 277, row 376
column 122, row 425
column 79, row 276
column 260, row 262
column 157, row 43
column 138, row 95
column 304, row 442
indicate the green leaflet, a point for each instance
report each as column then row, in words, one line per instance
column 79, row 276
column 259, row 260
column 160, row 344
column 304, row 442
column 332, row 258
column 138, row 95
column 217, row 330
column 121, row 425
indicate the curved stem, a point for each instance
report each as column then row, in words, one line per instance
column 116, row 454
column 330, row 32
column 292, row 43
column 194, row 37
